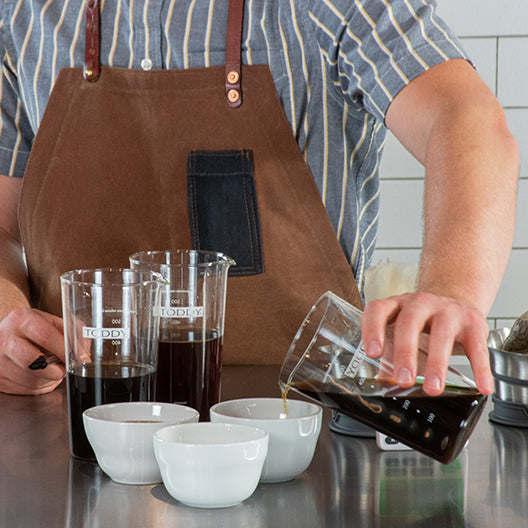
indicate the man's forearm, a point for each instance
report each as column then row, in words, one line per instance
column 469, row 205
column 14, row 287
column 451, row 122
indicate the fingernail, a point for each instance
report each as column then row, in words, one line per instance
column 374, row 349
column 433, row 383
column 404, row 376
column 40, row 363
column 488, row 387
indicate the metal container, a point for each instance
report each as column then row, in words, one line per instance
column 509, row 369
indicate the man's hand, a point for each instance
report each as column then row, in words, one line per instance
column 451, row 122
column 446, row 321
column 25, row 335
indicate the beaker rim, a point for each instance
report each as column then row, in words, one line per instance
column 125, row 277
column 196, row 258
column 289, row 364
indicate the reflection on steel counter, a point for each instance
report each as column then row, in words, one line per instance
column 399, row 488
column 412, row 488
column 510, row 453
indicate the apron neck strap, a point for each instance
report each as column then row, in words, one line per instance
column 91, row 58
column 233, row 85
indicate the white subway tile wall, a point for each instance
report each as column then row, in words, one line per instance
column 495, row 34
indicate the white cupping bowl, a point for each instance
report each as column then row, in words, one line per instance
column 292, row 439
column 121, row 436
column 208, row 465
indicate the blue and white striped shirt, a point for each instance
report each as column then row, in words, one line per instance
column 336, row 64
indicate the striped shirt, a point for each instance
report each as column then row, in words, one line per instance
column 336, row 64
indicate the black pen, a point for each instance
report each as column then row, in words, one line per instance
column 43, row 361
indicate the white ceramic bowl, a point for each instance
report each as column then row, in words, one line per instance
column 292, row 439
column 121, row 436
column 208, row 465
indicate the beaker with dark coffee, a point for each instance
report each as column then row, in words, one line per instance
column 327, row 363
column 192, row 317
column 111, row 331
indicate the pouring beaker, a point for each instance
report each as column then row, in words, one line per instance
column 327, row 362
column 191, row 324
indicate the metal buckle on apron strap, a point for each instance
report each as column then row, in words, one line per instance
column 91, row 60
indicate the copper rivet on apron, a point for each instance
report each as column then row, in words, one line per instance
column 233, row 95
column 232, row 77
column 88, row 72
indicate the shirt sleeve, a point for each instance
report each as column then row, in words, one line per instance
column 374, row 48
column 16, row 135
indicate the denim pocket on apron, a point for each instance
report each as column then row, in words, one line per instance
column 223, row 209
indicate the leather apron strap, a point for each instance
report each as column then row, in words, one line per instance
column 91, row 60
column 143, row 160
column 233, row 84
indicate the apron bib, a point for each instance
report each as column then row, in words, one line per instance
column 175, row 159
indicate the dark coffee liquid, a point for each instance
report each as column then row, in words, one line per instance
column 189, row 368
column 90, row 385
column 142, row 421
column 436, row 426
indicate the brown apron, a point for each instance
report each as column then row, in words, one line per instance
column 133, row 160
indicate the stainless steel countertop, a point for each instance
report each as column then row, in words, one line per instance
column 349, row 483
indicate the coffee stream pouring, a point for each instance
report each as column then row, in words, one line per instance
column 327, row 363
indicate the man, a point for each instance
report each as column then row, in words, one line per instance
column 341, row 70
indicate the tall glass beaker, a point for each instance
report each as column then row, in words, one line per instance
column 192, row 318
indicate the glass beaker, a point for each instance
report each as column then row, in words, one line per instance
column 191, row 324
column 111, row 331
column 327, row 362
